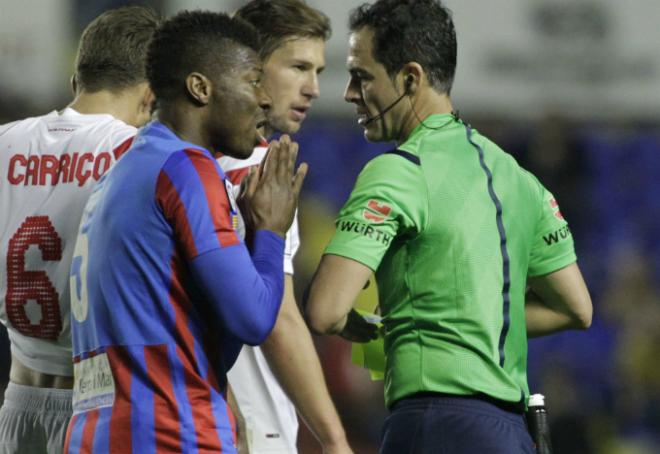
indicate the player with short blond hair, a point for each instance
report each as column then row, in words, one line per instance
column 49, row 165
column 284, row 374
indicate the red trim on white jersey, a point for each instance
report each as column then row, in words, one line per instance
column 229, row 164
column 119, row 151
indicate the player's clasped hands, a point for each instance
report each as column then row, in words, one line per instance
column 269, row 195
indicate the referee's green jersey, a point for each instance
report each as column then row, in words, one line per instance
column 453, row 226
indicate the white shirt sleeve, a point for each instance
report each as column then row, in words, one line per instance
column 292, row 244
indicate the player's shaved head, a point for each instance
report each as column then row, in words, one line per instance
column 212, row 44
column 411, row 30
column 113, row 48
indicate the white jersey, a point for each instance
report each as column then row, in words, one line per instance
column 236, row 170
column 270, row 417
column 48, row 166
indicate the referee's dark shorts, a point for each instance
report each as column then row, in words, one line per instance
column 435, row 423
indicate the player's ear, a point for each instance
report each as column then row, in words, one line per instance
column 145, row 105
column 148, row 99
column 74, row 85
column 199, row 88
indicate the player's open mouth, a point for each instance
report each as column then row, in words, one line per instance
column 299, row 113
column 262, row 124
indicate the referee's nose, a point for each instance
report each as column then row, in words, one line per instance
column 353, row 93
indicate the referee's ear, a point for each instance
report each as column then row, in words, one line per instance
column 412, row 75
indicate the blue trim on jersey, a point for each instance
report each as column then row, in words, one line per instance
column 405, row 155
column 161, row 138
column 87, row 354
column 143, row 434
column 200, row 355
column 225, row 433
column 252, row 315
column 75, row 440
column 101, row 443
column 187, row 431
column 506, row 274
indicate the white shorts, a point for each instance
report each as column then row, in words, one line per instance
column 270, row 417
column 34, row 420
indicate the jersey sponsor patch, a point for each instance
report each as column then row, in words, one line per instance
column 233, row 207
column 555, row 207
column 364, row 230
column 376, row 211
column 93, row 385
column 557, row 236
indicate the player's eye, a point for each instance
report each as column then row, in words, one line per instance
column 255, row 83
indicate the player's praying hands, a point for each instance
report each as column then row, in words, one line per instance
column 269, row 196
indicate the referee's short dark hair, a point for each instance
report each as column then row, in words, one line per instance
column 113, row 47
column 411, row 30
column 195, row 41
column 280, row 20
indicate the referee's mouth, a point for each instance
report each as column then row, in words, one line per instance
column 363, row 119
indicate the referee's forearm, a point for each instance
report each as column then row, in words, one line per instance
column 542, row 320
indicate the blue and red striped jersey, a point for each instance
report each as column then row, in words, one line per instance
column 151, row 342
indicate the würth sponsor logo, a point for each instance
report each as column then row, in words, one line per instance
column 376, row 212
column 49, row 170
column 365, row 230
column 557, row 235
column 555, row 206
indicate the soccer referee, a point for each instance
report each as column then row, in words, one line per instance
column 471, row 253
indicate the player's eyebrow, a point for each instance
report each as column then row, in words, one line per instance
column 306, row 64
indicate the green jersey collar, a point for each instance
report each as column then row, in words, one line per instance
column 434, row 122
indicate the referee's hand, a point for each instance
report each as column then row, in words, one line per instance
column 357, row 329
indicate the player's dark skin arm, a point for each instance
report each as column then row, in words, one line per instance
column 557, row 301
